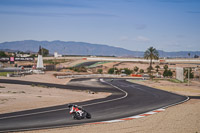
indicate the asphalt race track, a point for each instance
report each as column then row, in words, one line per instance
column 127, row 99
column 85, row 64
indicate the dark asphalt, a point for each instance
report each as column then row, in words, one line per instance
column 194, row 97
column 85, row 64
column 140, row 99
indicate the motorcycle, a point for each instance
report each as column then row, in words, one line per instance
column 78, row 113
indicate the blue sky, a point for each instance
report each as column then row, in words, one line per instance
column 169, row 25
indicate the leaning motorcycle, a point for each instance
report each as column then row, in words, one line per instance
column 78, row 113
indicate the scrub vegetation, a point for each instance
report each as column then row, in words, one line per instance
column 5, row 73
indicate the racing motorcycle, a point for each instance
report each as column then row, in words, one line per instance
column 78, row 113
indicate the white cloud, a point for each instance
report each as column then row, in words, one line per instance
column 142, row 39
column 138, row 39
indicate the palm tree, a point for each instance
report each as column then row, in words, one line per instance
column 151, row 53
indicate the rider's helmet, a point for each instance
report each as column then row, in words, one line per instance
column 70, row 105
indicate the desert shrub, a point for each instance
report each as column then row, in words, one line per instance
column 167, row 73
column 190, row 73
column 136, row 69
column 78, row 69
column 100, row 71
column 141, row 70
column 112, row 70
column 127, row 71
column 157, row 68
column 165, row 67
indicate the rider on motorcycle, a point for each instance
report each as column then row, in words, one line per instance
column 78, row 112
column 75, row 108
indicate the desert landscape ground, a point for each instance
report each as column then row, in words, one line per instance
column 182, row 118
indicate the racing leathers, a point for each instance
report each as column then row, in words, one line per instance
column 76, row 109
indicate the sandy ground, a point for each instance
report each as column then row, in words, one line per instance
column 180, row 88
column 182, row 118
column 48, row 77
column 23, row 97
column 144, row 66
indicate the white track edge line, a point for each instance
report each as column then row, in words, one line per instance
column 126, row 94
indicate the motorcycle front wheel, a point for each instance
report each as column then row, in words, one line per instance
column 88, row 116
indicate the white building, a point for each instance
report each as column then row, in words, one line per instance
column 57, row 55
column 22, row 55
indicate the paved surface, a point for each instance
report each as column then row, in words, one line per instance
column 127, row 99
column 86, row 64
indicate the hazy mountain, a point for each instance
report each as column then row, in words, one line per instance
column 69, row 48
column 82, row 48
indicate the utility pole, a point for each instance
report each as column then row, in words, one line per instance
column 188, row 76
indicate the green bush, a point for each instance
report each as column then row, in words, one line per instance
column 78, row 69
column 5, row 73
column 100, row 71
column 165, row 67
column 141, row 70
column 136, row 69
column 2, row 54
column 157, row 68
column 191, row 73
column 167, row 73
column 111, row 70
column 127, row 71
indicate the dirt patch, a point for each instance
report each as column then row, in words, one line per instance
column 48, row 77
column 23, row 97
column 179, row 88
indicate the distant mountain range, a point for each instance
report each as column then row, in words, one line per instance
column 82, row 48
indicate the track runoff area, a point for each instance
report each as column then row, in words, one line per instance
column 127, row 101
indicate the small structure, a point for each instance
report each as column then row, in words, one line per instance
column 22, row 55
column 40, row 62
column 57, row 55
column 180, row 74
